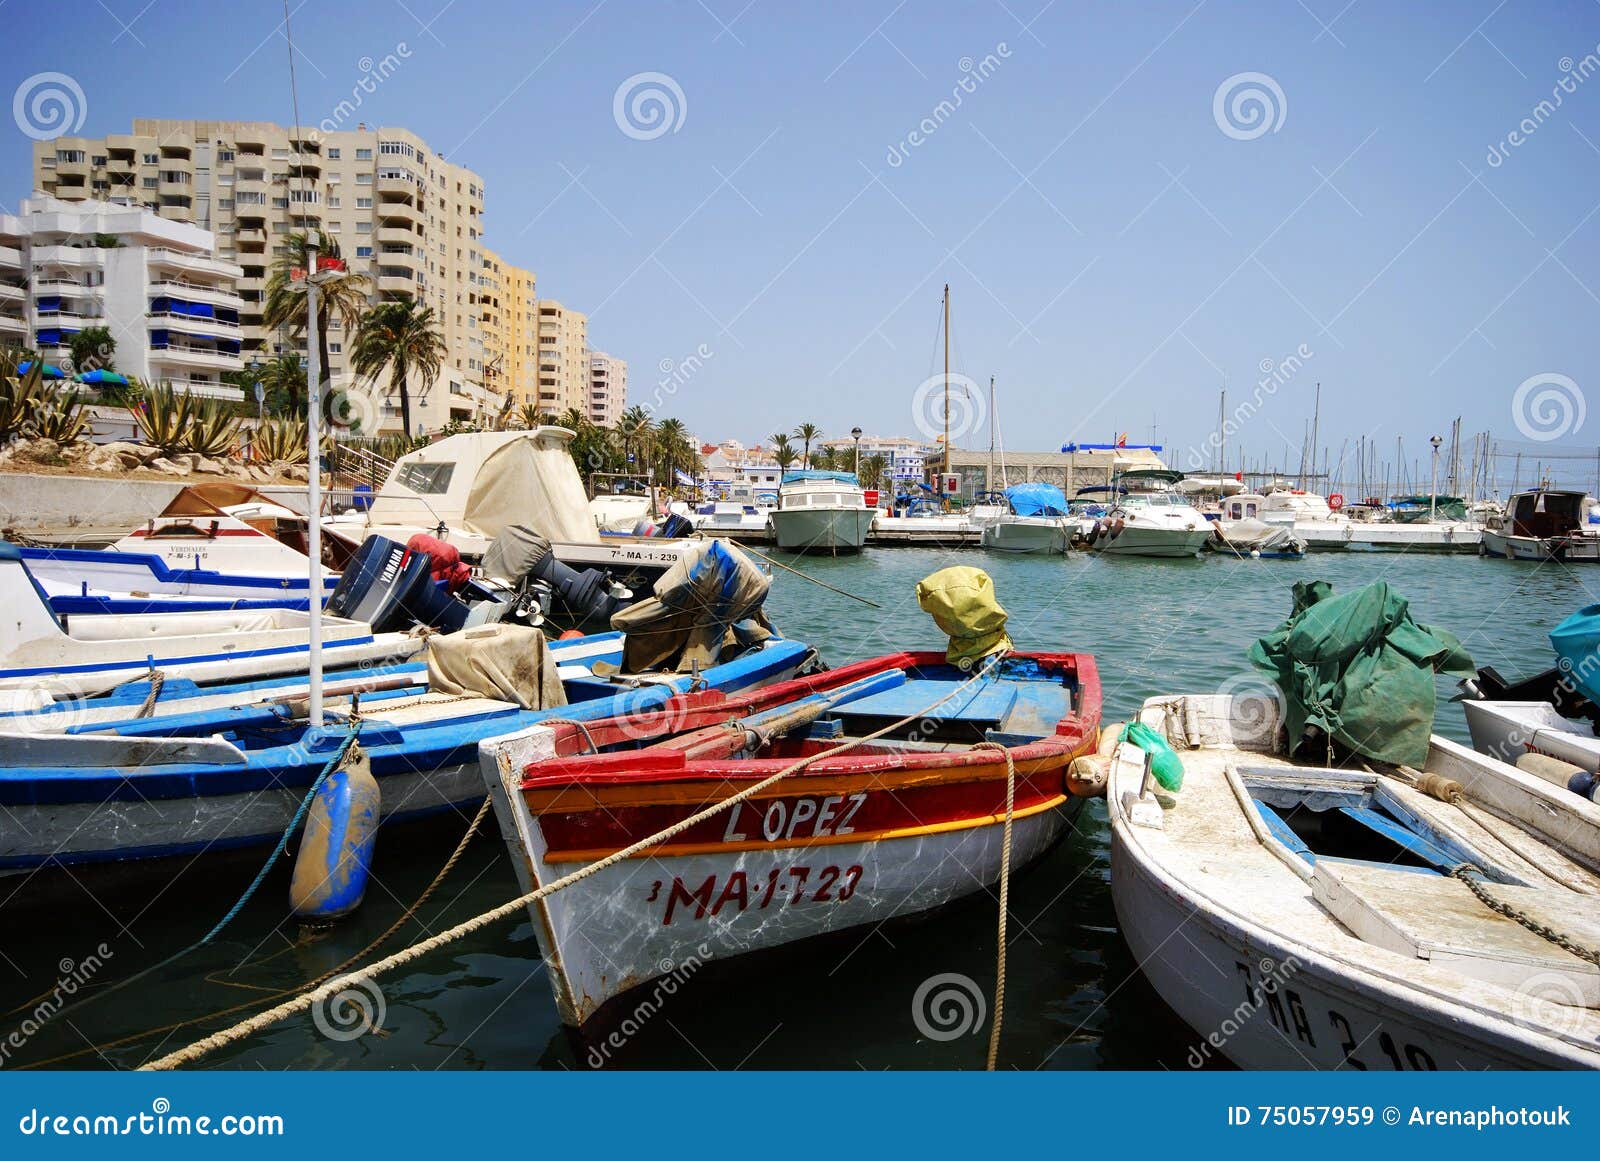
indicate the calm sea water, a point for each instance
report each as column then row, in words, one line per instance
column 1073, row 999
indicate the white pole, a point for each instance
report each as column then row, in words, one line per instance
column 314, row 480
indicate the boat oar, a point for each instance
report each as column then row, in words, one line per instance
column 809, row 577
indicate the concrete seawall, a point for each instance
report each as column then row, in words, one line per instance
column 109, row 504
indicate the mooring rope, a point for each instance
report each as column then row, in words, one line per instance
column 1005, row 894
column 388, row 933
column 309, row 999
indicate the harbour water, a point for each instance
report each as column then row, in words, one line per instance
column 1073, row 999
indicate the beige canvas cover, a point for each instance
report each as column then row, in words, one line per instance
column 534, row 483
column 507, row 662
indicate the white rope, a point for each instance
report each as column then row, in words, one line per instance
column 307, row 1000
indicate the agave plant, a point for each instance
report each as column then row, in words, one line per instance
column 63, row 418
column 164, row 417
column 213, row 429
column 281, row 439
column 20, row 393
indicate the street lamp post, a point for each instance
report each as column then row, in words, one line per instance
column 855, row 434
column 1433, row 492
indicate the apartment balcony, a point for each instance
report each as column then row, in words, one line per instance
column 68, row 320
column 193, row 292
column 72, row 257
column 396, row 279
column 251, row 241
column 188, row 324
column 177, row 211
column 10, row 257
column 12, row 295
column 180, row 188
column 160, row 257
column 72, row 168
column 184, row 359
column 206, row 388
column 410, row 185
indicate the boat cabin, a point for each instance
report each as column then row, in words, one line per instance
column 1543, row 513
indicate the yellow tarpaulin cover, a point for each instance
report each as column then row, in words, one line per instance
column 961, row 601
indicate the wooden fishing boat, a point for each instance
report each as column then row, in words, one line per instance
column 1299, row 917
column 893, row 826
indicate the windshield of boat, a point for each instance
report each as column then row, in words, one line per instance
column 426, row 479
column 1153, row 500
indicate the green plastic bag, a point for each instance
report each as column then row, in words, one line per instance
column 1165, row 764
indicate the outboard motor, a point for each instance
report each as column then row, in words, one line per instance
column 675, row 527
column 392, row 588
column 547, row 587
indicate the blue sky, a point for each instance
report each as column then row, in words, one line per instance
column 1113, row 247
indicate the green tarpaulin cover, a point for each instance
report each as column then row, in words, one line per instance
column 1360, row 669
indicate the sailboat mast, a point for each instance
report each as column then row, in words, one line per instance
column 946, row 382
column 1316, row 426
column 993, row 421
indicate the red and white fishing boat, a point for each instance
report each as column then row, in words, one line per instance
column 890, row 827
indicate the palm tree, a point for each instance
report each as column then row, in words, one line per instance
column 807, row 433
column 783, row 452
column 402, row 336
column 874, row 469
column 573, row 420
column 283, row 385
column 638, row 434
column 342, row 297
column 825, row 458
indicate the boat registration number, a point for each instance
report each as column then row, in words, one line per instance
column 738, row 891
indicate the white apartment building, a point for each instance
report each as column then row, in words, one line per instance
column 608, row 388
column 399, row 213
column 171, row 305
column 907, row 457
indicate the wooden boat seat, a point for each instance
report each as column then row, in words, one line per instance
column 986, row 702
column 1439, row 919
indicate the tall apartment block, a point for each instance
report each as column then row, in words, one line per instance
column 170, row 304
column 563, row 358
column 608, row 388
column 400, row 214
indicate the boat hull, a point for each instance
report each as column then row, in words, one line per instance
column 1024, row 534
column 666, row 914
column 1157, row 542
column 821, row 529
column 1264, row 1003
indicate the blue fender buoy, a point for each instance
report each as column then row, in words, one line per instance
column 334, row 861
column 1586, row 784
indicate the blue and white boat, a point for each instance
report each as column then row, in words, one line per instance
column 75, row 656
column 215, row 547
column 218, row 778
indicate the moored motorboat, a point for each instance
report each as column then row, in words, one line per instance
column 1150, row 518
column 1544, row 524
column 821, row 511
column 1034, row 521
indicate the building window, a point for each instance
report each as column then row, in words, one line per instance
column 99, row 159
column 363, row 155
column 333, row 155
column 333, row 203
column 152, row 159
column 363, row 203
column 363, row 227
column 224, row 155
column 333, row 348
column 69, row 155
column 363, row 251
column 363, row 179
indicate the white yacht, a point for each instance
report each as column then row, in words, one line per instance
column 1151, row 519
column 821, row 512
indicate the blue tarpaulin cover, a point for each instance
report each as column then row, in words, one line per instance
column 1036, row 500
column 814, row 474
